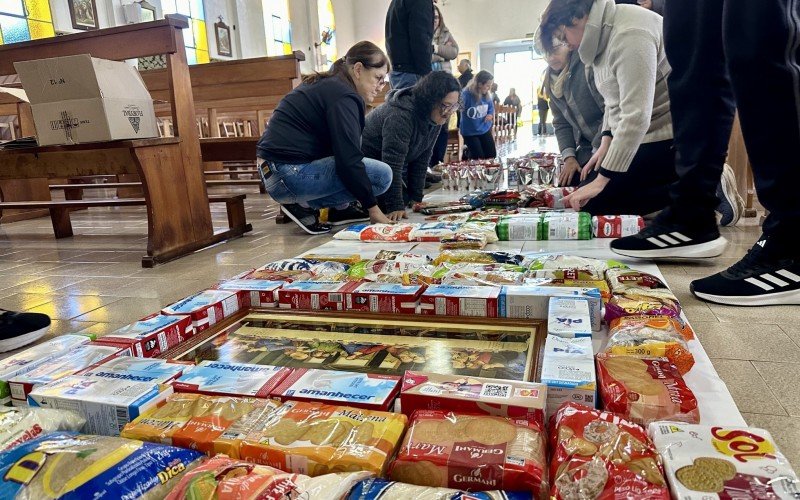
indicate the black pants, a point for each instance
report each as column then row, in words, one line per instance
column 728, row 54
column 544, row 108
column 480, row 147
column 643, row 189
column 440, row 147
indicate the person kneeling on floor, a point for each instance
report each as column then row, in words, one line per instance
column 310, row 154
column 402, row 133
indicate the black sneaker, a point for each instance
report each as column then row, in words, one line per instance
column 731, row 204
column 759, row 279
column 18, row 329
column 670, row 241
column 350, row 215
column 306, row 218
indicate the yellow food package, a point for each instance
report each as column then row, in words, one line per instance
column 160, row 423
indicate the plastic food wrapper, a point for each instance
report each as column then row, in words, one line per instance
column 479, row 227
column 290, row 265
column 384, row 489
column 329, row 270
column 388, row 232
column 223, row 478
column 706, row 463
column 369, row 269
column 474, row 452
column 598, row 455
column 600, row 284
column 479, row 257
column 457, row 218
column 474, row 241
column 616, row 226
column 19, row 425
column 287, row 276
column 352, row 233
column 344, row 259
column 637, row 293
column 411, row 258
column 652, row 336
column 449, row 209
column 316, row 439
column 433, row 231
column 483, row 278
column 644, row 390
column 467, row 267
column 572, row 267
column 69, row 465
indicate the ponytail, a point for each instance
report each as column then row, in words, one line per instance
column 367, row 53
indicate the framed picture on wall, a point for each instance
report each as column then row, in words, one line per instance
column 83, row 14
column 223, row 36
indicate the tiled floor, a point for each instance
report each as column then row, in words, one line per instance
column 94, row 282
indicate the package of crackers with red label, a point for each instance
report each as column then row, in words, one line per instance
column 599, row 455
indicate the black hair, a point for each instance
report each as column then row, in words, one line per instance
column 366, row 53
column 431, row 89
column 561, row 13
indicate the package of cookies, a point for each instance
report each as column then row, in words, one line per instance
column 388, row 232
column 705, row 463
column 314, row 439
column 639, row 293
column 598, row 455
column 652, row 336
column 644, row 390
column 383, row 489
column 471, row 452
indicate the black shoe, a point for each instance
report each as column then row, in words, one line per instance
column 670, row 241
column 759, row 279
column 18, row 329
column 352, row 214
column 306, row 218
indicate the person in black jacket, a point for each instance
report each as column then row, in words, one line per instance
column 310, row 154
column 409, row 40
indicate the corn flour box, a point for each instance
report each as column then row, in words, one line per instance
column 457, row 300
column 152, row 335
column 569, row 317
column 106, row 404
column 361, row 390
column 217, row 378
column 206, row 308
column 384, row 298
column 568, row 371
column 29, row 359
column 532, row 302
column 67, row 364
column 315, row 295
column 157, row 371
column 254, row 293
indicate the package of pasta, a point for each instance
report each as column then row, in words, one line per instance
column 396, row 233
column 464, row 241
column 315, row 439
column 384, row 489
column 18, row 425
column 652, row 336
column 351, row 233
column 344, row 259
column 644, row 390
column 472, row 452
column 489, row 229
column 224, row 478
column 598, row 455
column 76, row 466
column 479, row 257
column 433, row 231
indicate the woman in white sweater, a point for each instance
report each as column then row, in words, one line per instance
column 624, row 46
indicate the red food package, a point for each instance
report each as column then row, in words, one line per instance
column 598, row 455
column 472, row 452
column 644, row 390
column 387, row 232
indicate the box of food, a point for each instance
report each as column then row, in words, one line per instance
column 106, row 404
column 503, row 398
column 384, row 298
column 133, row 369
column 152, row 335
column 569, row 317
column 316, row 295
column 456, row 300
column 218, row 378
column 568, row 372
column 29, row 359
column 254, row 293
column 532, row 302
column 69, row 363
column 206, row 308
column 616, row 226
column 360, row 390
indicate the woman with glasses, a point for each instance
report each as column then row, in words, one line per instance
column 310, row 154
column 402, row 132
column 477, row 117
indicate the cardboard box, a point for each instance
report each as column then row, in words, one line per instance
column 568, row 317
column 217, row 378
column 505, row 398
column 360, row 390
column 315, row 295
column 254, row 293
column 532, row 302
column 456, row 300
column 152, row 335
column 79, row 98
column 206, row 308
column 568, row 371
column 384, row 298
column 106, row 404
column 133, row 369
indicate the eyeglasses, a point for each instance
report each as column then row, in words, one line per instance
column 445, row 108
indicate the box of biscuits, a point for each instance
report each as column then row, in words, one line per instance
column 568, row 370
column 134, row 369
column 315, row 295
column 471, row 452
column 219, row 378
column 384, row 298
column 206, row 308
column 457, row 300
column 361, row 390
column 704, row 462
column 568, row 317
column 152, row 335
column 530, row 301
column 254, row 293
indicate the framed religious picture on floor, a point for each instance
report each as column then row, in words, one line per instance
column 223, row 35
column 83, row 14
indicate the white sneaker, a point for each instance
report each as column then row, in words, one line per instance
column 731, row 205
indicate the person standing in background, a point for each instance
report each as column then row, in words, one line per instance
column 513, row 100
column 445, row 49
column 495, row 97
column 543, row 106
column 465, row 68
column 477, row 117
column 409, row 41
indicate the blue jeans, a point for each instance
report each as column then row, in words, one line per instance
column 400, row 80
column 318, row 185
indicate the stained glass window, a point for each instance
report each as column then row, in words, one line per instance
column 22, row 20
column 327, row 30
column 277, row 27
column 194, row 37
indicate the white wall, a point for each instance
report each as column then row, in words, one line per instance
column 250, row 27
column 344, row 13
column 305, row 30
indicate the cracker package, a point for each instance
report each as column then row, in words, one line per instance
column 569, row 317
column 455, row 300
column 360, row 390
column 315, row 439
column 315, row 295
column 471, row 452
column 384, row 489
column 75, row 466
column 598, row 455
column 532, row 302
column 254, row 293
column 206, row 308
column 389, row 298
column 709, row 463
column 19, row 425
column 152, row 335
column 503, row 398
column 645, row 389
column 652, row 336
column 133, row 369
column 568, row 371
column 220, row 378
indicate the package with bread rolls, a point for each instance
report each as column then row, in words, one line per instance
column 652, row 336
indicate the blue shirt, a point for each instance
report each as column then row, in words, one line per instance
column 475, row 111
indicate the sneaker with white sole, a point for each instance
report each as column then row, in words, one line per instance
column 306, row 218
column 350, row 215
column 18, row 329
column 670, row 241
column 759, row 279
column 731, row 204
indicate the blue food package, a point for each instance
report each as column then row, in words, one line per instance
column 384, row 489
